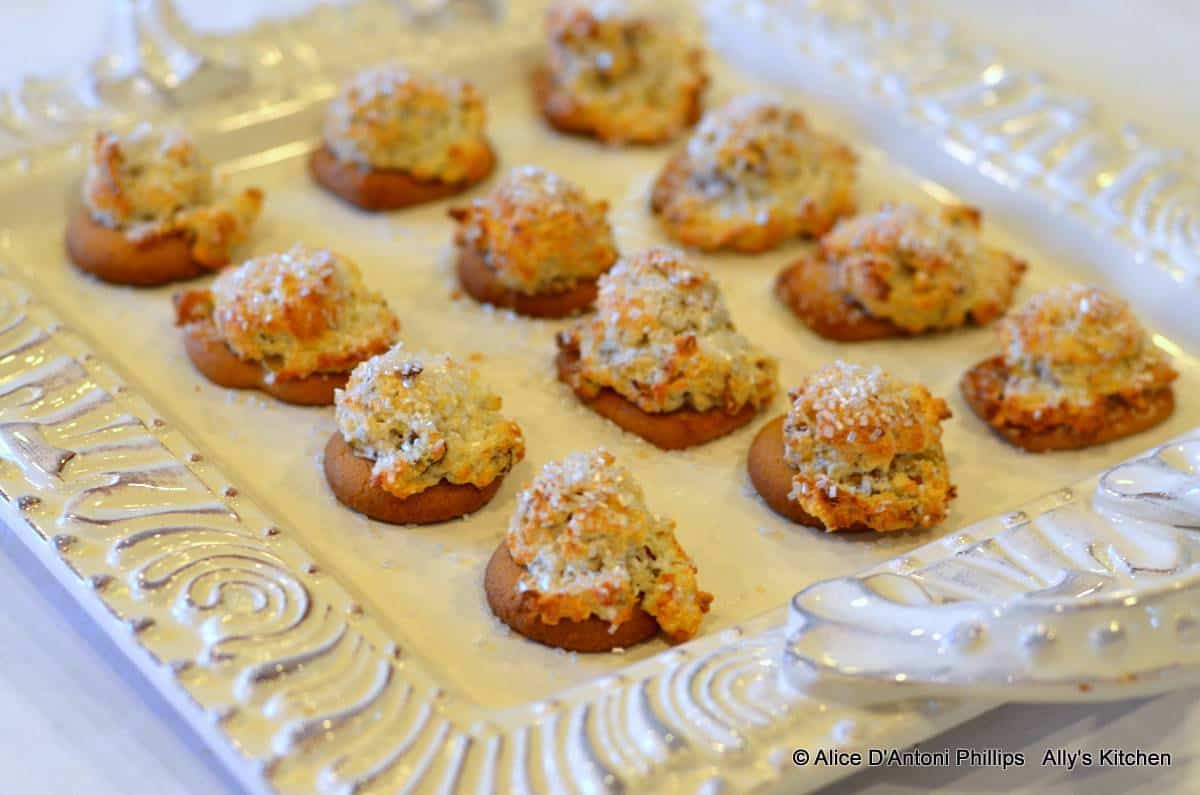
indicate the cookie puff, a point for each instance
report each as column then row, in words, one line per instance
column 753, row 175
column 538, row 232
column 430, row 127
column 663, row 339
column 923, row 271
column 300, row 312
column 152, row 184
column 1081, row 341
column 422, row 418
column 616, row 75
column 901, row 271
column 866, row 450
column 1077, row 369
column 589, row 547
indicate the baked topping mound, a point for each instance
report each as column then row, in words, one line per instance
column 423, row 418
column 301, row 312
column 867, row 450
column 1077, row 344
column 428, row 126
column 662, row 338
column 921, row 271
column 538, row 232
column 757, row 157
column 752, row 176
column 152, row 183
column 591, row 547
column 623, row 75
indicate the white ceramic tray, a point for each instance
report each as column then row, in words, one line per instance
column 318, row 651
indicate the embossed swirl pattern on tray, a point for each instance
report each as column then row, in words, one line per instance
column 271, row 647
column 259, row 638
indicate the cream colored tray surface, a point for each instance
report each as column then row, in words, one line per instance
column 321, row 651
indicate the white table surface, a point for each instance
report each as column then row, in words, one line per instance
column 77, row 719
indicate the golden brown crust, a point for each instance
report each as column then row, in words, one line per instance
column 672, row 430
column 481, row 283
column 109, row 255
column 589, row 547
column 809, row 288
column 699, row 233
column 901, row 271
column 537, row 234
column 150, row 185
column 300, row 312
column 378, row 190
column 565, row 116
column 349, row 477
column 772, row 477
column 520, row 612
column 865, row 448
column 669, row 200
column 1060, row 427
column 214, row 359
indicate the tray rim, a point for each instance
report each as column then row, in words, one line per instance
column 761, row 763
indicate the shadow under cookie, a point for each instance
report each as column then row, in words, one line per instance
column 481, row 283
column 109, row 255
column 809, row 288
column 349, row 477
column 772, row 478
column 519, row 611
column 672, row 430
column 378, row 190
column 214, row 359
column 983, row 388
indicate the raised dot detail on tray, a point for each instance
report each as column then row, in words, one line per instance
column 1038, row 640
column 1109, row 638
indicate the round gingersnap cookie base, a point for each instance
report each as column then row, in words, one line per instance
column 216, row 362
column 518, row 610
column 772, row 478
column 349, row 477
column 983, row 388
column 112, row 257
column 480, row 283
column 563, row 115
column 378, row 190
column 672, row 430
column 809, row 288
